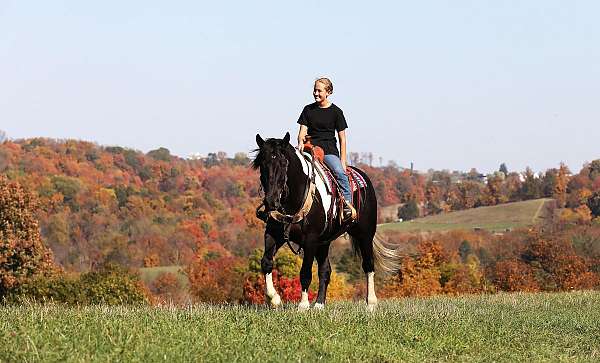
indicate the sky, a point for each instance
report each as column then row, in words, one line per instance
column 443, row 84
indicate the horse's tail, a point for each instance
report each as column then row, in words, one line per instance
column 387, row 260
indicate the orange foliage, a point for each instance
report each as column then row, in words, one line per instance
column 515, row 275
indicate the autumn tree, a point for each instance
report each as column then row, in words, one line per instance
column 493, row 193
column 560, row 188
column 22, row 254
column 515, row 275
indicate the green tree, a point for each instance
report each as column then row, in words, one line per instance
column 161, row 153
column 594, row 169
column 409, row 210
column 503, row 168
column 464, row 250
column 593, row 203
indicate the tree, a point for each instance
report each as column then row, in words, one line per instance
column 493, row 193
column 531, row 186
column 593, row 204
column 409, row 210
column 161, row 153
column 464, row 250
column 503, row 168
column 22, row 254
column 594, row 169
column 560, row 188
column 2, row 136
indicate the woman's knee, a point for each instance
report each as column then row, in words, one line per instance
column 334, row 163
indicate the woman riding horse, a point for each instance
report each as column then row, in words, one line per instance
column 320, row 120
column 294, row 211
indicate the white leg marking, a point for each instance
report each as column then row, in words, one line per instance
column 371, row 298
column 319, row 306
column 304, row 303
column 270, row 292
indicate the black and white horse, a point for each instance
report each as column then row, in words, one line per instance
column 295, row 209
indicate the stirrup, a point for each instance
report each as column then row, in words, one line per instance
column 352, row 216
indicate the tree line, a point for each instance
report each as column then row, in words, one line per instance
column 94, row 208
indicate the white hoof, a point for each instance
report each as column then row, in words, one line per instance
column 276, row 301
column 303, row 306
column 319, row 306
column 371, row 307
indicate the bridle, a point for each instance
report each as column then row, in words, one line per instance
column 307, row 199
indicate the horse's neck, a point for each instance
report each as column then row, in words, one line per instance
column 296, row 180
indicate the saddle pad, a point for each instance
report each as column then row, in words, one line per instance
column 356, row 180
column 321, row 184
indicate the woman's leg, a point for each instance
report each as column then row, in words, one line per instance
column 335, row 165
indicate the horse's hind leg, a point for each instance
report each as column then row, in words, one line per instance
column 273, row 240
column 306, row 277
column 324, row 274
column 363, row 241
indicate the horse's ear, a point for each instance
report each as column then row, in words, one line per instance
column 259, row 141
column 286, row 138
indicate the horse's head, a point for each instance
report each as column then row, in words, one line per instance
column 272, row 160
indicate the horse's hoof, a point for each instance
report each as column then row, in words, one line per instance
column 319, row 306
column 303, row 306
column 371, row 307
column 276, row 301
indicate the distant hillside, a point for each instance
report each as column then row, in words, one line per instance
column 494, row 218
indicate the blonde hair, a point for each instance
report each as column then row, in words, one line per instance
column 327, row 83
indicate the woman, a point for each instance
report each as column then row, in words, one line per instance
column 320, row 120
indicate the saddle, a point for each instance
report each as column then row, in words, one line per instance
column 356, row 182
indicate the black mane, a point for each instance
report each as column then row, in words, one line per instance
column 270, row 147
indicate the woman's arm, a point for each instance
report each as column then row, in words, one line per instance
column 342, row 138
column 301, row 135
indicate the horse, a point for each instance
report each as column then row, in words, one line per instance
column 294, row 212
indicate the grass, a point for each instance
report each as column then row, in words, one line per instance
column 495, row 218
column 503, row 327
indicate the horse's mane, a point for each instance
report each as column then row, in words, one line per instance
column 270, row 146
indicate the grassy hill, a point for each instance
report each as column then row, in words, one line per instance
column 500, row 328
column 495, row 218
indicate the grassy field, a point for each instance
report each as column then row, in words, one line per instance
column 503, row 327
column 495, row 218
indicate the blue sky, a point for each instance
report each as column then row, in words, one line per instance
column 444, row 84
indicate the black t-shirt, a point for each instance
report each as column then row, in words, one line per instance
column 322, row 124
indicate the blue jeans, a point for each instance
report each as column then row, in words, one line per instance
column 335, row 165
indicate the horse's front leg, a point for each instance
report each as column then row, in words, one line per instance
column 306, row 277
column 273, row 240
column 324, row 275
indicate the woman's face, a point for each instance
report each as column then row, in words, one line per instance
column 319, row 92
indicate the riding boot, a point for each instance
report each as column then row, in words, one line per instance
column 348, row 212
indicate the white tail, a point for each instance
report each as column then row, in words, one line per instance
column 387, row 261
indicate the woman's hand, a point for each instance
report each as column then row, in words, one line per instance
column 344, row 167
column 301, row 136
